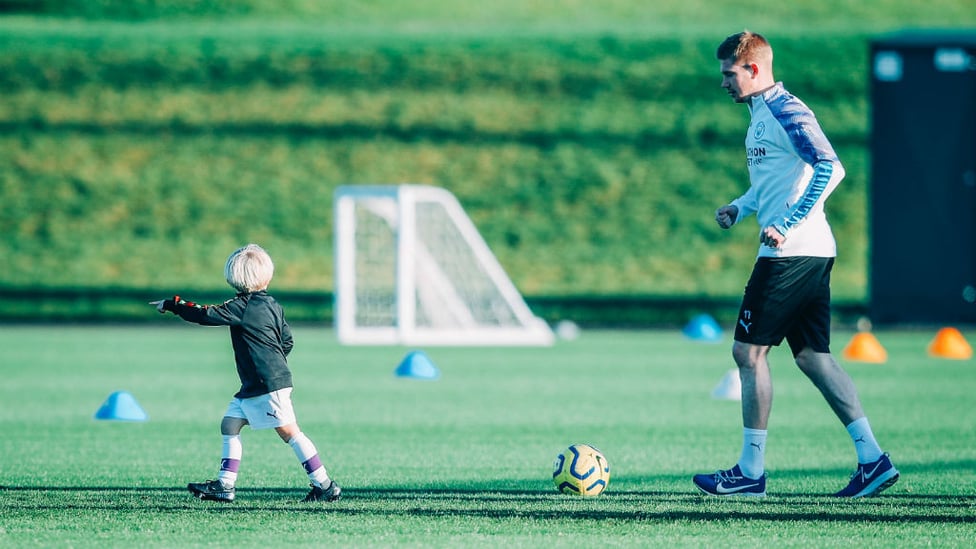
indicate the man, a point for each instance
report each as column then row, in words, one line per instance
column 792, row 169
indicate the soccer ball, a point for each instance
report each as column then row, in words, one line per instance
column 581, row 470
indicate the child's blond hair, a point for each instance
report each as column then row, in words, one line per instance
column 249, row 269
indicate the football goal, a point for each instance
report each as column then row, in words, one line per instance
column 412, row 269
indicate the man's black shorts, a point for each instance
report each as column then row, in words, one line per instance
column 787, row 297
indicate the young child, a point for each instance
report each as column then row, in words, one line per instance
column 262, row 341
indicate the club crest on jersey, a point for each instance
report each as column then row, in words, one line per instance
column 760, row 130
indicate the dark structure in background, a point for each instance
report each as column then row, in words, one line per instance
column 923, row 178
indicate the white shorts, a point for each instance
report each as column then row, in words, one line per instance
column 264, row 412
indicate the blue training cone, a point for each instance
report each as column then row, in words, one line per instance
column 703, row 328
column 121, row 406
column 417, row 365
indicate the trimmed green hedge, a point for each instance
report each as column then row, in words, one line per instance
column 450, row 16
column 591, row 166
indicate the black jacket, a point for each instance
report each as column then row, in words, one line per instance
column 259, row 333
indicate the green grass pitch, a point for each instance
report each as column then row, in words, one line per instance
column 465, row 460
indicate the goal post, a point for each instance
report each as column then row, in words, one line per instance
column 411, row 268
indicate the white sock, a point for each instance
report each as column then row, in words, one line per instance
column 866, row 446
column 308, row 456
column 752, row 463
column 230, row 459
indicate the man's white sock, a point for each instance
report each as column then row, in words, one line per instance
column 866, row 446
column 752, row 463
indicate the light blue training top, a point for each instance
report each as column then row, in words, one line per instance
column 792, row 169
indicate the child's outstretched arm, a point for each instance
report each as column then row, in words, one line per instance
column 219, row 315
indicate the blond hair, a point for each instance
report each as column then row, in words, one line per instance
column 249, row 269
column 747, row 47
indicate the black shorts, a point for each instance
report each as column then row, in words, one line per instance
column 787, row 297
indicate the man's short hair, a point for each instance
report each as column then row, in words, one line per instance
column 745, row 46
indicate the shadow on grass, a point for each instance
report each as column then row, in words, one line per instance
column 521, row 504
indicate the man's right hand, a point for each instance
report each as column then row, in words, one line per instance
column 725, row 216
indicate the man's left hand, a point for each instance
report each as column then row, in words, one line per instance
column 771, row 237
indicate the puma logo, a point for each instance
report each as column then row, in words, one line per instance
column 746, row 315
column 744, row 325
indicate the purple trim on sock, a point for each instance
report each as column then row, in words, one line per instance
column 231, row 465
column 312, row 464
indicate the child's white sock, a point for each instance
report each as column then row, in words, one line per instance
column 866, row 446
column 752, row 463
column 230, row 460
column 309, row 458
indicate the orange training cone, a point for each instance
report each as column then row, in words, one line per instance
column 864, row 347
column 949, row 343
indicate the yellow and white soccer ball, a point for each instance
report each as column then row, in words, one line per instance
column 581, row 470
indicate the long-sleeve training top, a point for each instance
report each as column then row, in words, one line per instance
column 793, row 169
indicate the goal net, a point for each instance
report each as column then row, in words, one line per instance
column 412, row 269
